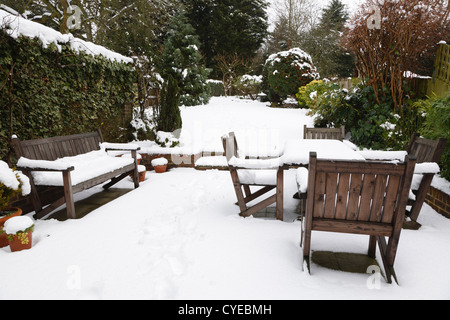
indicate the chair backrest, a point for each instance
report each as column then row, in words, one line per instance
column 58, row 147
column 230, row 146
column 426, row 150
column 324, row 133
column 358, row 197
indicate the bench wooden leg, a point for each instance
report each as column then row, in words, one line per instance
column 68, row 195
column 280, row 187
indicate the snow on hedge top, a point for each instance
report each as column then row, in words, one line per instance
column 16, row 26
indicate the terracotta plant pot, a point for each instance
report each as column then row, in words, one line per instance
column 21, row 242
column 142, row 176
column 160, row 165
column 160, row 169
column 3, row 238
column 19, row 233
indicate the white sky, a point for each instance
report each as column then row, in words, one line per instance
column 351, row 4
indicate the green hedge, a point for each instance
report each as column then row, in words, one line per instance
column 59, row 93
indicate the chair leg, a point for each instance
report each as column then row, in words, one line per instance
column 306, row 244
column 388, row 268
column 372, row 247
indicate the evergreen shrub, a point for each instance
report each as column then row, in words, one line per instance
column 169, row 118
column 287, row 71
column 437, row 125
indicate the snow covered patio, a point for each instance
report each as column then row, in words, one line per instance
column 179, row 236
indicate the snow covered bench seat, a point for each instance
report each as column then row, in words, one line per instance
column 74, row 163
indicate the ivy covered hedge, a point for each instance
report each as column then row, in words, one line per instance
column 45, row 92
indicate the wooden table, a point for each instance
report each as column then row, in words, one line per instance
column 296, row 154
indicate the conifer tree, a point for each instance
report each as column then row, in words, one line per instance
column 226, row 27
column 182, row 59
column 169, row 118
column 323, row 43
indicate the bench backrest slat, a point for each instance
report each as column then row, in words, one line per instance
column 58, row 147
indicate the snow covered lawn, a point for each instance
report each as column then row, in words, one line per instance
column 179, row 236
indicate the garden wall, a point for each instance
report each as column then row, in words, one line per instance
column 439, row 201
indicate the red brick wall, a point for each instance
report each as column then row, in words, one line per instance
column 439, row 201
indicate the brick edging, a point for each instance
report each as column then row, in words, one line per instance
column 439, row 201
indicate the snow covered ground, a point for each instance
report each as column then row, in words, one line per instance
column 179, row 236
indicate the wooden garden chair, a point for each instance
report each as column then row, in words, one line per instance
column 316, row 133
column 356, row 197
column 324, row 133
column 246, row 173
column 425, row 150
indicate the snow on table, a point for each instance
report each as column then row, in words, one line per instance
column 297, row 152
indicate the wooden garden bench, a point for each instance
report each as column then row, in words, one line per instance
column 74, row 163
column 358, row 197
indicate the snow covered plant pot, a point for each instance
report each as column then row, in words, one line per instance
column 19, row 232
column 142, row 173
column 12, row 184
column 160, row 165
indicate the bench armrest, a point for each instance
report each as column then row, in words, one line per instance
column 119, row 146
column 25, row 164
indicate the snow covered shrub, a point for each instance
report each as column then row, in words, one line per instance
column 287, row 71
column 216, row 87
column 248, row 86
column 357, row 110
column 12, row 184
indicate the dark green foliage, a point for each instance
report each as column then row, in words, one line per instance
column 59, row 93
column 227, row 27
column 169, row 118
column 367, row 121
column 182, row 59
column 437, row 125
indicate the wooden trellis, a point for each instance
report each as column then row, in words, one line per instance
column 443, row 63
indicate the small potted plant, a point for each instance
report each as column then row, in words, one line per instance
column 19, row 232
column 12, row 184
column 160, row 165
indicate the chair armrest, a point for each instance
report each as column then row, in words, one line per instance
column 427, row 168
column 119, row 146
column 383, row 155
column 255, row 164
column 25, row 164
